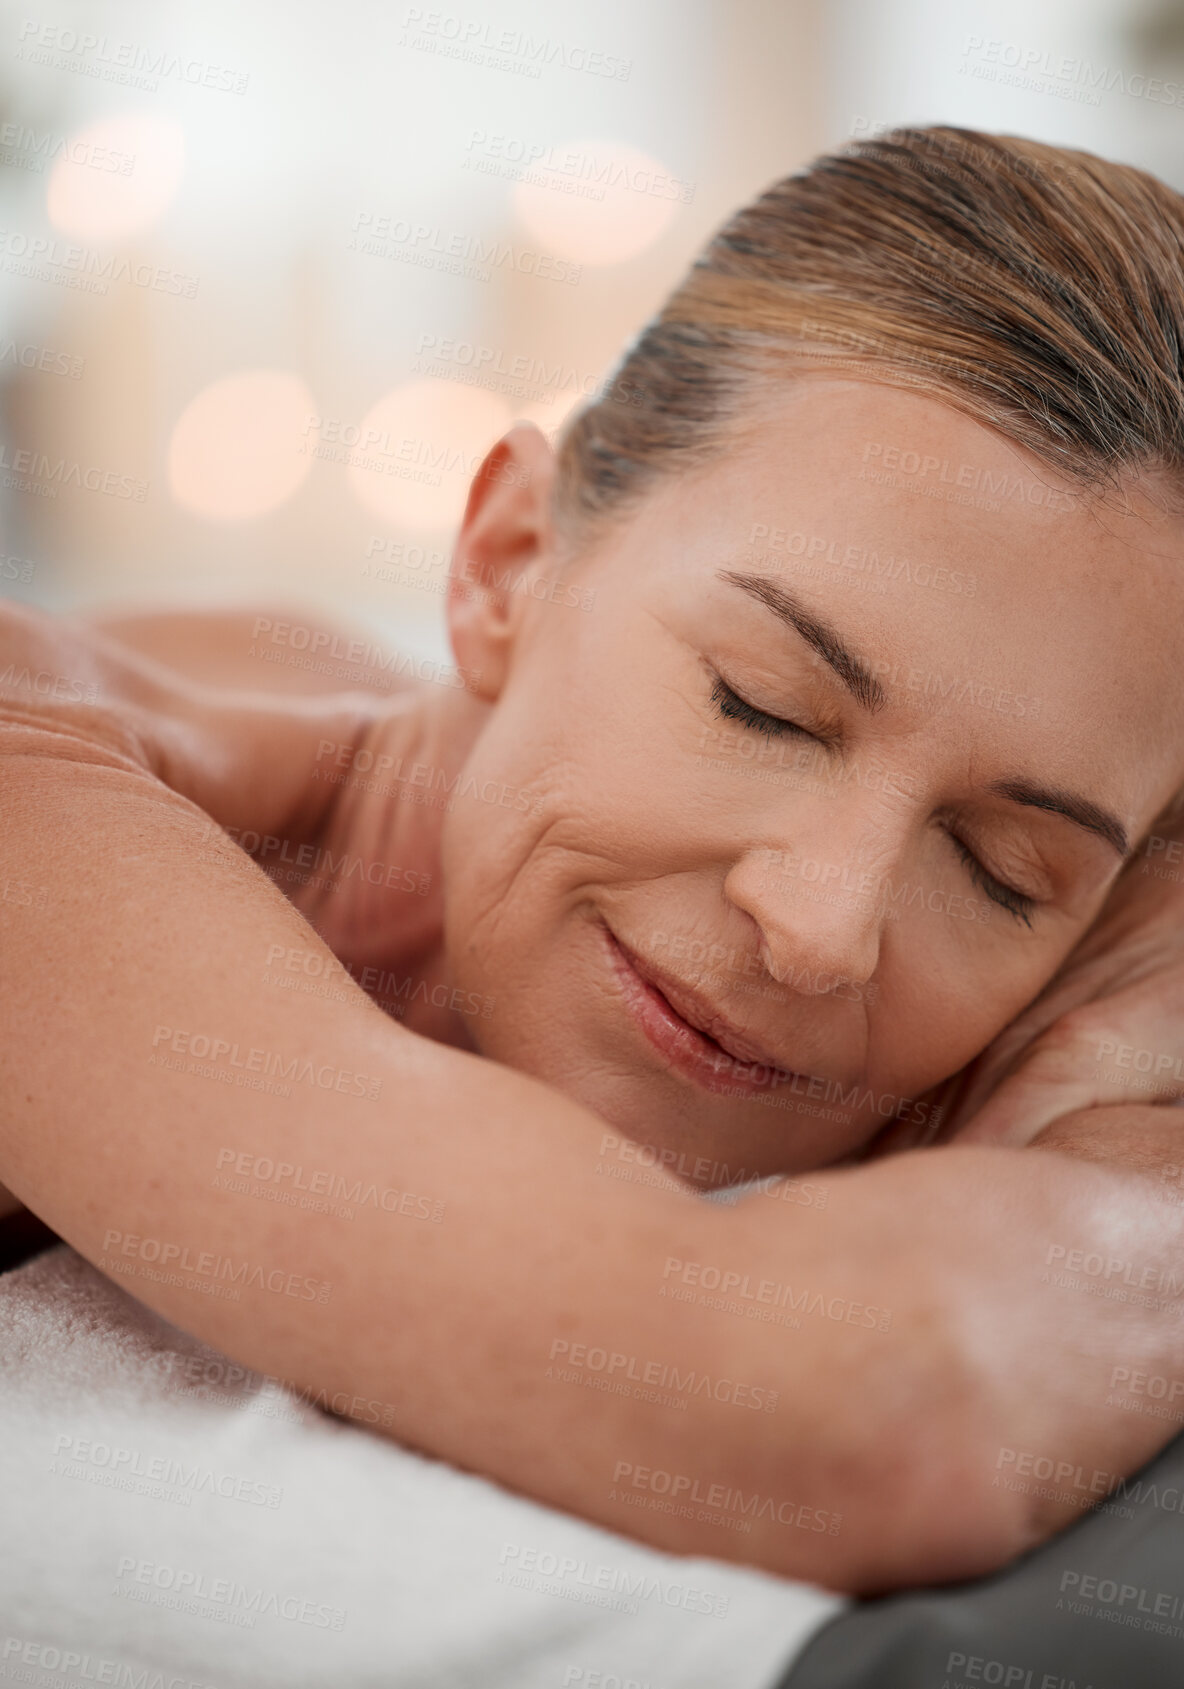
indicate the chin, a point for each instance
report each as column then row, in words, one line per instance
column 710, row 1157
column 657, row 1127
column 575, row 1020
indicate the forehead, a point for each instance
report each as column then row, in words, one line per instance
column 908, row 461
column 940, row 549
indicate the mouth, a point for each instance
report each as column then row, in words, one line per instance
column 690, row 1034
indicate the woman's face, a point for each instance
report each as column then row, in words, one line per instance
column 830, row 754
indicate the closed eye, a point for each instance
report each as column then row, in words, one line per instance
column 1015, row 902
column 735, row 708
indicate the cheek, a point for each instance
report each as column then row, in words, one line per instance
column 508, row 849
column 486, row 858
column 952, row 986
column 545, row 802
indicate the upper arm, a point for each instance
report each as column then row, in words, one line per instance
column 143, row 1039
column 148, row 1059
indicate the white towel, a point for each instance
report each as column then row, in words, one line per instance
column 171, row 1522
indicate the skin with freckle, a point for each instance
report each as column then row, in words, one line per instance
column 855, row 900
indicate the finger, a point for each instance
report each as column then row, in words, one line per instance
column 1075, row 1066
column 1002, row 1058
column 1024, row 1104
column 1057, row 1074
column 1049, row 1085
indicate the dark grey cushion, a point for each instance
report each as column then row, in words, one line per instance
column 1100, row 1606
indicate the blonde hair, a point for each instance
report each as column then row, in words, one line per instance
column 1038, row 289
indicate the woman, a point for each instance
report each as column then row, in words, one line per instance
column 730, row 873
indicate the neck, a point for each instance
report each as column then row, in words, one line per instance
column 390, row 803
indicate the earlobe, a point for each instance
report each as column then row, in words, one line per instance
column 506, row 534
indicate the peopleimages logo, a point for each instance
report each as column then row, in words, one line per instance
column 452, row 250
column 52, row 473
column 658, row 1374
column 272, row 853
column 615, row 1579
column 88, row 267
column 319, row 1181
column 976, row 1668
column 45, row 359
column 297, row 1069
column 203, row 1264
column 1108, row 1592
column 1116, row 1270
column 860, row 559
column 685, row 1491
column 1084, row 1482
column 66, row 688
column 91, row 1668
column 689, row 1276
column 1017, row 64
column 111, row 60
column 128, row 1463
column 195, row 1587
column 476, row 40
column 996, row 484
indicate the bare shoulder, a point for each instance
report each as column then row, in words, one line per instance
column 56, row 696
column 284, row 649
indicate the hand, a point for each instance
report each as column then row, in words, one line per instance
column 1108, row 1028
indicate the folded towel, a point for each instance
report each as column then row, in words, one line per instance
column 177, row 1521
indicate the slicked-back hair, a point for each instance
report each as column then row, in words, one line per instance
column 1037, row 289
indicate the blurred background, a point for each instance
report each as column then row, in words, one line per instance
column 274, row 276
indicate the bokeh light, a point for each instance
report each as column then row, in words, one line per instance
column 115, row 176
column 412, row 457
column 242, row 445
column 596, row 202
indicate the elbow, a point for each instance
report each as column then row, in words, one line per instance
column 918, row 1477
column 943, row 1514
column 936, row 1505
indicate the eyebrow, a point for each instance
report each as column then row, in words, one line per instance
column 1089, row 815
column 851, row 670
column 866, row 689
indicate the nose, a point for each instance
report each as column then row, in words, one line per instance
column 819, row 911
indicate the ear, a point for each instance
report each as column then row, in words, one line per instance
column 506, row 534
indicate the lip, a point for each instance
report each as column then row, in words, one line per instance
column 674, row 1019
